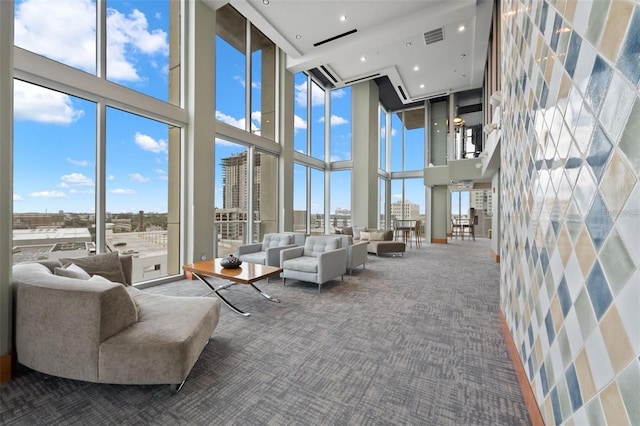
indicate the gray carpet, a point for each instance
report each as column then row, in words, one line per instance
column 411, row 340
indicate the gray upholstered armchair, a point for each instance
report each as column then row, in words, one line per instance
column 268, row 251
column 322, row 258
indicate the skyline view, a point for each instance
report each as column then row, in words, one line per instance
column 55, row 133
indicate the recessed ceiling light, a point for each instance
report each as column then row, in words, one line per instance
column 343, row 18
column 461, row 28
column 422, row 86
column 407, row 44
column 265, row 2
column 363, row 59
column 416, row 68
column 298, row 36
column 463, row 56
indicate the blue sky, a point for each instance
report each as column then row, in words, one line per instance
column 54, row 133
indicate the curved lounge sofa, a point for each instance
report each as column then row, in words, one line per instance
column 107, row 332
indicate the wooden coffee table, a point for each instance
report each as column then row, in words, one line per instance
column 247, row 273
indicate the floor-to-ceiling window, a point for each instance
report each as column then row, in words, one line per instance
column 245, row 100
column 95, row 176
column 340, row 196
column 265, row 194
column 317, row 132
column 231, row 195
column 340, row 144
column 231, row 68
column 301, row 113
column 263, row 93
column 300, row 194
column 317, row 201
column 403, row 138
column 382, row 203
column 54, row 174
column 137, row 190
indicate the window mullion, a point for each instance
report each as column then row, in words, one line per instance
column 247, row 77
column 101, row 38
column 100, row 186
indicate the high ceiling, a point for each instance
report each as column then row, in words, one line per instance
column 384, row 40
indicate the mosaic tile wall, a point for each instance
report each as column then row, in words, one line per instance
column 570, row 276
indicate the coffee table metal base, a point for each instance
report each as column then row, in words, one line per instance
column 216, row 291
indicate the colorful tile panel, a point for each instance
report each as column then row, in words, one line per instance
column 570, row 178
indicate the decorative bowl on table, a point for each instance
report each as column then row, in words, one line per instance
column 230, row 262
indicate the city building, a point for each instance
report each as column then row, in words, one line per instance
column 552, row 83
column 405, row 210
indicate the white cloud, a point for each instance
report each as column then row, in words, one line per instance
column 130, row 33
column 64, row 30
column 76, row 179
column 396, row 196
column 336, row 120
column 123, row 191
column 138, row 177
column 240, row 79
column 82, row 191
column 48, row 194
column 239, row 123
column 147, row 143
column 383, row 132
column 317, row 94
column 301, row 93
column 338, row 93
column 61, row 30
column 256, row 116
column 111, row 177
column 299, row 123
column 81, row 163
column 17, row 197
column 159, row 171
column 35, row 103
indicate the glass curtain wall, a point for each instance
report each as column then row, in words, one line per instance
column 62, row 181
column 246, row 100
column 317, row 202
column 231, row 195
column 301, row 114
column 263, row 93
column 53, row 173
column 137, row 191
column 407, row 142
column 340, row 199
column 340, row 116
column 231, row 79
column 300, row 193
column 265, row 194
column 382, row 216
column 317, row 121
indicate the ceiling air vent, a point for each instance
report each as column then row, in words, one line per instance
column 369, row 77
column 320, row 43
column 433, row 36
column 328, row 73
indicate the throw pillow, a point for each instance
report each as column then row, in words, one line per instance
column 364, row 236
column 71, row 271
column 98, row 279
column 376, row 236
column 357, row 232
column 107, row 265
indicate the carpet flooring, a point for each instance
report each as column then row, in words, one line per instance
column 412, row 340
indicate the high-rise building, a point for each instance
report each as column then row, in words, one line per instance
column 405, row 210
